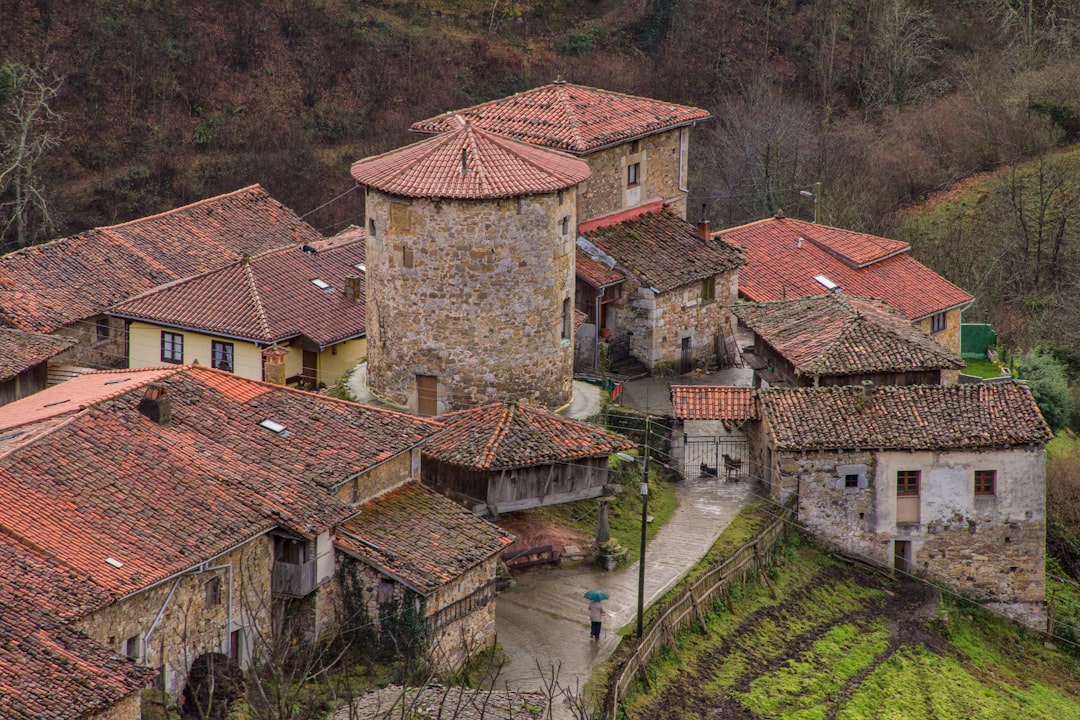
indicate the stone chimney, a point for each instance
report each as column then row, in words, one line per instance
column 703, row 230
column 352, row 287
column 274, row 364
column 155, row 403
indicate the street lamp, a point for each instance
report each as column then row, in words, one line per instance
column 816, row 195
column 644, row 487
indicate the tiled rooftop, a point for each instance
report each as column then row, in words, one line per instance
column 568, row 117
column 20, row 351
column 432, row 701
column 596, row 273
column 838, row 334
column 916, row 417
column 714, row 402
column 468, row 163
column 107, row 478
column 269, row 298
column 49, row 671
column 662, row 249
column 419, row 537
column 48, row 286
column 515, row 434
column 784, row 255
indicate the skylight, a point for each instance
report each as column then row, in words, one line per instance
column 114, row 382
column 826, row 283
column 361, row 267
column 275, row 428
column 114, row 562
column 321, row 284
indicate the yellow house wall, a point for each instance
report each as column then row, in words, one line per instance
column 332, row 366
column 950, row 336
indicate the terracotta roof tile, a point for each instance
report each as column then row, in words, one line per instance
column 48, row 670
column 419, row 537
column 569, row 117
column 48, row 286
column 100, row 483
column 596, row 273
column 839, row 334
column 469, row 164
column 579, row 318
column 779, row 266
column 20, row 351
column 515, row 434
column 714, row 402
column 915, row 417
column 267, row 299
column 664, row 250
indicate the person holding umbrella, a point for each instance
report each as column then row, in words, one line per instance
column 596, row 611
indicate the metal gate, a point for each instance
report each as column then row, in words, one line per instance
column 725, row 457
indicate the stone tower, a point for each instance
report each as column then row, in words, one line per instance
column 470, row 271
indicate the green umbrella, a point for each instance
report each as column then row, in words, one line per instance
column 596, row 595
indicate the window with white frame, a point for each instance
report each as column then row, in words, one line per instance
column 172, row 347
column 222, row 355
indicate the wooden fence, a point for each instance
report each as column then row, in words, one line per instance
column 749, row 560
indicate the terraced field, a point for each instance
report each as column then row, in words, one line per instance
column 831, row 641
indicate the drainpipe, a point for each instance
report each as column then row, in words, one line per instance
column 161, row 613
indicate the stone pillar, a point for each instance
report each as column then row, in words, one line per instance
column 274, row 364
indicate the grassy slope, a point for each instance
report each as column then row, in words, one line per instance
column 836, row 642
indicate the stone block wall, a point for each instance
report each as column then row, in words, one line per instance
column 663, row 163
column 383, row 477
column 467, row 607
column 950, row 336
column 682, row 313
column 130, row 708
column 473, row 293
column 189, row 625
column 109, row 350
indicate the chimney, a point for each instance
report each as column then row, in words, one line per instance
column 352, row 287
column 155, row 404
column 798, row 243
column 274, row 364
column 867, row 388
column 703, row 230
column 464, row 160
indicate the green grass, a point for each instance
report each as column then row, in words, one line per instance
column 1064, row 444
column 980, row 367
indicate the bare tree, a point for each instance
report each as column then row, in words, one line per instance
column 29, row 129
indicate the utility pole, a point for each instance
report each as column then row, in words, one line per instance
column 644, row 521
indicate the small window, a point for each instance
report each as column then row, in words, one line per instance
column 907, row 483
column 221, row 355
column 635, row 147
column 172, row 347
column 213, row 591
column 103, row 329
column 567, row 319
column 133, row 647
column 406, row 257
column 566, row 225
column 371, row 227
column 851, row 480
column 937, row 323
column 386, row 591
column 708, row 289
column 986, row 482
column 560, row 200
column 633, row 174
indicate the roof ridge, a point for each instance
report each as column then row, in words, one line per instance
column 561, row 96
column 506, row 415
column 508, row 145
column 180, row 209
column 256, row 298
column 41, row 553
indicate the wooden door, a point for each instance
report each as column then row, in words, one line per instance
column 902, row 556
column 686, row 362
column 310, row 372
column 427, row 395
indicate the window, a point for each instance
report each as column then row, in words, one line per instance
column 708, row 289
column 937, row 323
column 985, row 482
column 133, row 647
column 385, row 592
column 635, row 147
column 567, row 319
column 371, row 227
column 633, row 174
column 851, row 480
column 221, row 355
column 213, row 591
column 907, row 483
column 172, row 347
column 406, row 257
column 103, row 329
column 566, row 225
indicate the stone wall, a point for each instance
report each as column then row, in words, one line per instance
column 383, row 477
column 991, row 548
column 190, row 623
column 949, row 337
column 130, row 708
column 473, row 293
column 663, row 176
column 105, row 350
column 468, row 627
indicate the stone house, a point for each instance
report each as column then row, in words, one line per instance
column 787, row 259
column 511, row 456
column 24, row 362
column 307, row 300
column 946, row 482
column 636, row 148
column 195, row 508
column 839, row 339
column 671, row 308
column 63, row 287
column 470, row 271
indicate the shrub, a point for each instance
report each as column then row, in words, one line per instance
column 1046, row 378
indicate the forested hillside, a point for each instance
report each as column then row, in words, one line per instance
column 154, row 103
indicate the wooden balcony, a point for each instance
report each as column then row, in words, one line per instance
column 294, row 580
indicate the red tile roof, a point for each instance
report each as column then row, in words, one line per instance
column 714, row 402
column 779, row 266
column 20, row 351
column 596, row 273
column 107, row 478
column 915, row 417
column 267, row 299
column 48, row 670
column 663, row 250
column 468, row 163
column 48, row 286
column 515, row 434
column 839, row 334
column 419, row 537
column 579, row 318
column 569, row 117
